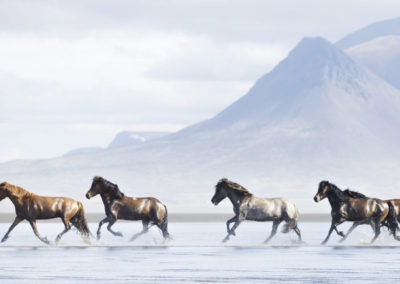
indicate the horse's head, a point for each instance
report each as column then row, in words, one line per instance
column 96, row 188
column 3, row 190
column 220, row 192
column 100, row 185
column 322, row 191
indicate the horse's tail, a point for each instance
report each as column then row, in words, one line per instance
column 164, row 224
column 293, row 217
column 80, row 222
column 391, row 220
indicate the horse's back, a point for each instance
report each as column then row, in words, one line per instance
column 47, row 207
column 140, row 208
column 266, row 209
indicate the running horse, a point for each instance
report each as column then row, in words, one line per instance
column 248, row 207
column 390, row 221
column 32, row 207
column 119, row 206
column 346, row 207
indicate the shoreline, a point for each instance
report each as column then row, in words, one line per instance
column 178, row 218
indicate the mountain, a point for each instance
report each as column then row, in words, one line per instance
column 377, row 47
column 317, row 115
column 127, row 138
column 370, row 32
column 84, row 150
column 122, row 139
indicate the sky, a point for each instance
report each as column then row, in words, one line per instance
column 75, row 73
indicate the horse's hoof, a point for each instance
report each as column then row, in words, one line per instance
column 324, row 242
column 98, row 236
column 3, row 240
column 119, row 234
column 341, row 234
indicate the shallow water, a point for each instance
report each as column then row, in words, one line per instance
column 197, row 255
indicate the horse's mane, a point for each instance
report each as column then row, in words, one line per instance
column 354, row 194
column 342, row 196
column 240, row 189
column 113, row 188
column 15, row 188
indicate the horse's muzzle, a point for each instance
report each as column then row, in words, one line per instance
column 316, row 198
column 88, row 195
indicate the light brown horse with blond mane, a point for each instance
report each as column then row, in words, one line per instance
column 32, row 207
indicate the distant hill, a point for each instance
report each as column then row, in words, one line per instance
column 127, row 138
column 377, row 47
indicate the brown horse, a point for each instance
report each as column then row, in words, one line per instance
column 32, row 207
column 371, row 211
column 118, row 206
column 391, row 220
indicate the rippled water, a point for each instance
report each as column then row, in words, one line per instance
column 197, row 255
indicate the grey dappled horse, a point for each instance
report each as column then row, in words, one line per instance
column 248, row 207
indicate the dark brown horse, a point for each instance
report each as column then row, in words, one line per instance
column 32, row 207
column 118, row 206
column 391, row 220
column 371, row 211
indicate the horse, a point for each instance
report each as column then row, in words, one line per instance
column 32, row 207
column 391, row 219
column 248, row 207
column 344, row 207
column 119, row 206
column 396, row 206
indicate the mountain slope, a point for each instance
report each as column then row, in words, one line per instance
column 378, row 48
column 370, row 32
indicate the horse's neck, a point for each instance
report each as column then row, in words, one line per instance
column 335, row 196
column 17, row 194
column 235, row 197
column 107, row 199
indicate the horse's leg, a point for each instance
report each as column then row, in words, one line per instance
column 110, row 223
column 229, row 222
column 33, row 225
column 355, row 225
column 275, row 225
column 377, row 230
column 333, row 227
column 67, row 228
column 145, row 230
column 105, row 220
column 232, row 232
column 17, row 220
column 297, row 231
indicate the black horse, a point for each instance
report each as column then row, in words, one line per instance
column 371, row 211
column 119, row 206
